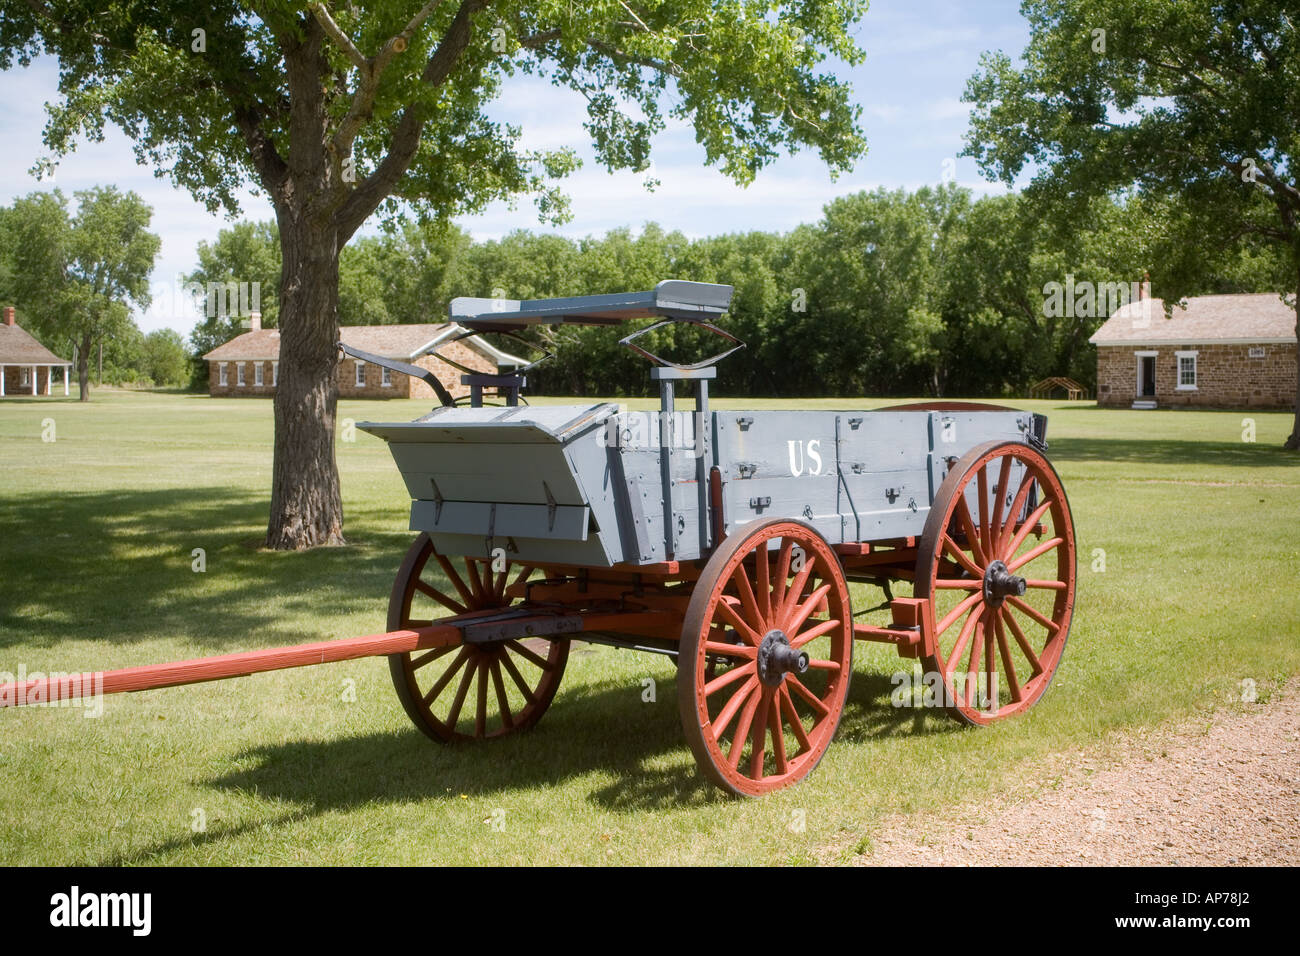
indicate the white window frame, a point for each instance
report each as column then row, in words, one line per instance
column 1178, row 382
column 25, row 377
column 275, row 374
column 386, row 377
column 1140, row 356
column 259, row 374
column 239, row 374
column 360, row 380
column 223, row 375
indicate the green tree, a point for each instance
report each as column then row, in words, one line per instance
column 77, row 275
column 166, row 362
column 335, row 111
column 1191, row 101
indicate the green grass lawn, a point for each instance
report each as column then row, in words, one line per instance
column 97, row 531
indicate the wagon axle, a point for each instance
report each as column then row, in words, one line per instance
column 999, row 583
column 776, row 658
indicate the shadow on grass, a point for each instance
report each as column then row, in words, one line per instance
column 118, row 566
column 603, row 728
column 1154, row 451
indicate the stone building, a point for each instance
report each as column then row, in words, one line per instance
column 1221, row 351
column 249, row 364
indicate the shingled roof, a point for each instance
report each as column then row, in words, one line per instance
column 405, row 342
column 1207, row 319
column 18, row 347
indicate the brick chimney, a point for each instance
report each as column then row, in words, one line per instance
column 1144, row 290
column 9, row 315
column 255, row 321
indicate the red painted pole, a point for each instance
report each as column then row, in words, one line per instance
column 177, row 673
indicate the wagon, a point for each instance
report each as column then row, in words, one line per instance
column 729, row 541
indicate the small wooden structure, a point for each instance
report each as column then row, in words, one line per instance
column 1043, row 389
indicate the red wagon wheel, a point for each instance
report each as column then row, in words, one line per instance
column 997, row 561
column 470, row 691
column 771, row 614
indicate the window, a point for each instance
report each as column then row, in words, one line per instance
column 275, row 373
column 223, row 375
column 361, row 374
column 239, row 374
column 386, row 378
column 257, row 373
column 1186, row 371
column 26, row 377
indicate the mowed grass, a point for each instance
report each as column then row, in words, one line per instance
column 1197, row 594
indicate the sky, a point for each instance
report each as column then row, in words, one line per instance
column 919, row 55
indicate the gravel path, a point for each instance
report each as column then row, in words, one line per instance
column 1228, row 796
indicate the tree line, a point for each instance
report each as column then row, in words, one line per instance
column 927, row 293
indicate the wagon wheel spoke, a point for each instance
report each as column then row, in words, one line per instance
column 813, row 700
column 972, row 536
column 814, row 632
column 524, row 687
column 779, row 579
column 952, row 549
column 723, row 649
column 950, row 618
column 728, row 612
column 963, row 638
column 1025, row 647
column 758, row 743
column 429, row 657
column 778, row 736
column 762, row 582
column 503, row 702
column 729, row 678
column 1013, row 685
column 745, row 591
column 795, row 592
column 1000, row 493
column 476, row 585
column 1022, row 495
column 528, row 655
column 742, row 728
column 1019, row 537
column 733, row 706
column 1033, row 553
column 805, row 610
column 456, row 580
column 459, row 701
column 982, row 483
column 480, row 713
column 449, row 603
column 445, row 679
column 796, row 722
column 977, row 644
column 1032, row 612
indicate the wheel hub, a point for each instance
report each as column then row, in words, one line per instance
column 776, row 658
column 999, row 583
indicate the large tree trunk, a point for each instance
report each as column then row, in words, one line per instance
column 1293, row 440
column 306, row 507
column 83, row 369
